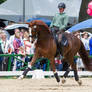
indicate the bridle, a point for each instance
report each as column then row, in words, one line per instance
column 34, row 36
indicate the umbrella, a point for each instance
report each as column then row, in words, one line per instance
column 10, row 28
column 82, row 25
column 14, row 26
column 47, row 21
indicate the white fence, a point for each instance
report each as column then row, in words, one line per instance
column 45, row 73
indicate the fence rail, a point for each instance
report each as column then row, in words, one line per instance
column 45, row 73
column 15, row 56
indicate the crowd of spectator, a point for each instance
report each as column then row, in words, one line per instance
column 86, row 38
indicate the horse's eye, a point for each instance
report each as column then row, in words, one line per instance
column 35, row 26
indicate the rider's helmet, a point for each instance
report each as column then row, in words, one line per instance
column 61, row 5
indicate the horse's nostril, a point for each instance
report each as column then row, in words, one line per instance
column 31, row 41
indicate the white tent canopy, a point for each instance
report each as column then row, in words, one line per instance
column 45, row 8
column 6, row 14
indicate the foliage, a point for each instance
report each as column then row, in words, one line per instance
column 1, row 1
column 83, row 11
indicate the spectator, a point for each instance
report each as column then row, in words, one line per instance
column 77, row 34
column 58, row 64
column 90, row 46
column 41, row 63
column 85, row 40
column 27, row 42
column 1, row 51
column 78, row 61
column 27, row 45
column 5, row 46
column 18, row 47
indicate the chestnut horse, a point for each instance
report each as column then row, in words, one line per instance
column 45, row 46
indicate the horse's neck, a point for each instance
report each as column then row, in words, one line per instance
column 43, row 34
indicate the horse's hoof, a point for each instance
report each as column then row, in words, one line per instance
column 63, row 80
column 21, row 77
column 80, row 82
column 59, row 84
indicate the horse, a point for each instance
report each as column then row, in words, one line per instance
column 45, row 46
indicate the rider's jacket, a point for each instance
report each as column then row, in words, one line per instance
column 60, row 20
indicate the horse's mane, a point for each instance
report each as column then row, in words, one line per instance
column 40, row 23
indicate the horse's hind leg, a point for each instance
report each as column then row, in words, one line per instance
column 65, row 75
column 76, row 74
column 54, row 69
column 77, row 77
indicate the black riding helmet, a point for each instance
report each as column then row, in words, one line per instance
column 61, row 5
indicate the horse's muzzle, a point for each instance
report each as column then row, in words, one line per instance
column 32, row 41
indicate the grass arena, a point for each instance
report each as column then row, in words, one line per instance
column 45, row 85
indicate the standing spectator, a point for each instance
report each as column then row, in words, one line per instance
column 1, row 51
column 18, row 47
column 77, row 34
column 90, row 46
column 5, row 48
column 27, row 45
column 85, row 40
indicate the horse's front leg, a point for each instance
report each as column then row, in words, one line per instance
column 29, row 67
column 54, row 69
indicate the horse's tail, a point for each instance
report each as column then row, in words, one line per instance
column 85, row 58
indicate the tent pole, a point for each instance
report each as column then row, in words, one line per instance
column 23, row 11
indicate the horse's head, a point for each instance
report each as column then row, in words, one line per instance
column 37, row 26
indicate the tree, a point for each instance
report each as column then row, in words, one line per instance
column 1, row 1
column 83, row 11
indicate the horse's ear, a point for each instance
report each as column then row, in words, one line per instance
column 30, row 24
column 40, row 24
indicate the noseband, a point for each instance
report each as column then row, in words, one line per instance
column 34, row 36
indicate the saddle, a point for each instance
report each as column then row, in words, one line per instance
column 61, row 42
column 60, row 39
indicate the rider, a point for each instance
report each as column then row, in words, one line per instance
column 60, row 20
column 58, row 24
